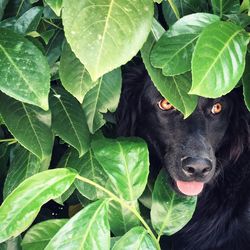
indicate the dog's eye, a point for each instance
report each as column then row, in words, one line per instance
column 165, row 105
column 217, row 108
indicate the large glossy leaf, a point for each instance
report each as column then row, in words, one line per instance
column 40, row 234
column 246, row 82
column 29, row 125
column 170, row 212
column 175, row 88
column 102, row 98
column 126, row 164
column 121, row 219
column 173, row 54
column 29, row 20
column 74, row 76
column 221, row 7
column 22, row 206
column 136, row 239
column 68, row 120
column 219, row 59
column 87, row 230
column 55, row 5
column 24, row 70
column 88, row 167
column 106, row 34
column 23, row 164
column 191, row 24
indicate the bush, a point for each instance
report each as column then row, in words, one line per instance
column 61, row 80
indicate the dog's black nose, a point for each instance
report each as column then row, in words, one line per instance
column 196, row 167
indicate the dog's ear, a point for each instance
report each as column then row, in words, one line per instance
column 238, row 133
column 134, row 76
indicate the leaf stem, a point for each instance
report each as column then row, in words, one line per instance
column 10, row 140
column 52, row 24
column 174, row 8
column 124, row 204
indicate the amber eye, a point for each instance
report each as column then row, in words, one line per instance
column 216, row 109
column 165, row 105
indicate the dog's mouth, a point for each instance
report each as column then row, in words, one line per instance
column 189, row 188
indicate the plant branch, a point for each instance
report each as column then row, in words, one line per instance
column 52, row 24
column 174, row 8
column 124, row 204
column 11, row 140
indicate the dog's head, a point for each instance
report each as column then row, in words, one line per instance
column 193, row 150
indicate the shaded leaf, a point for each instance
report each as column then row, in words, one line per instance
column 68, row 120
column 175, row 88
column 21, row 207
column 23, row 164
column 29, row 20
column 126, row 163
column 136, row 239
column 88, row 167
column 74, row 76
column 29, row 125
column 184, row 7
column 87, row 230
column 121, row 219
column 221, row 7
column 55, row 5
column 106, row 35
column 24, row 70
column 170, row 212
column 40, row 234
column 219, row 59
column 3, row 4
column 12, row 244
column 103, row 97
column 246, row 83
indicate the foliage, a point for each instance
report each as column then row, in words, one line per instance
column 60, row 80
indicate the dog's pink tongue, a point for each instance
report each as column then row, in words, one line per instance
column 190, row 188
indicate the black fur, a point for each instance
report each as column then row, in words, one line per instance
column 222, row 217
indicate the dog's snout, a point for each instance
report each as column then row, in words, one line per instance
column 196, row 167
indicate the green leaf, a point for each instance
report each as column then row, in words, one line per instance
column 74, row 76
column 173, row 54
column 170, row 212
column 40, row 234
column 182, row 8
column 191, row 24
column 87, row 230
column 29, row 125
column 23, row 164
column 55, row 5
column 221, row 7
column 12, row 244
column 103, row 97
column 107, row 35
column 88, row 167
column 68, row 120
column 126, row 163
column 3, row 4
column 24, row 70
column 175, row 88
column 219, row 59
column 22, row 206
column 54, row 48
column 29, row 21
column 136, row 239
column 121, row 219
column 246, row 82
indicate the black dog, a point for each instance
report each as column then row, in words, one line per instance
column 205, row 154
